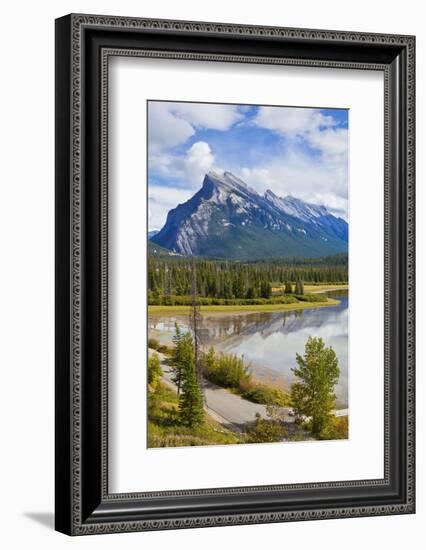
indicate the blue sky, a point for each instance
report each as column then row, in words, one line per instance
column 292, row 151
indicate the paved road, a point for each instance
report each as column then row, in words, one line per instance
column 227, row 408
column 235, row 410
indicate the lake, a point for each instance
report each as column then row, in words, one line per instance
column 269, row 341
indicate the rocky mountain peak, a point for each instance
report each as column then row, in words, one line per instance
column 227, row 218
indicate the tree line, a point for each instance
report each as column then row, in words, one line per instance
column 240, row 280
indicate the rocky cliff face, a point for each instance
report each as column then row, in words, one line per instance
column 228, row 219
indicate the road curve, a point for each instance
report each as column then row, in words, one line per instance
column 227, row 408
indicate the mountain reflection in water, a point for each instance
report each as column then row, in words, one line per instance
column 269, row 341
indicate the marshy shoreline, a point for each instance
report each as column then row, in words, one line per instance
column 253, row 308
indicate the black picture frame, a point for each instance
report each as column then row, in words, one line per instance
column 83, row 504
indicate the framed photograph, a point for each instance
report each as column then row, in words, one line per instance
column 234, row 274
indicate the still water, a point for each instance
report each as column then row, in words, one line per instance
column 269, row 341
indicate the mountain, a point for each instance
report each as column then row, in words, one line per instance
column 152, row 233
column 228, row 219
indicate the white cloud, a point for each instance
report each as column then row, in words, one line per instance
column 207, row 115
column 321, row 179
column 166, row 164
column 165, row 129
column 187, row 170
column 333, row 141
column 199, row 159
column 161, row 199
column 189, row 167
column 171, row 124
column 318, row 130
column 317, row 180
column 292, row 122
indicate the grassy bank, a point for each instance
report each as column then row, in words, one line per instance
column 315, row 288
column 318, row 288
column 166, row 430
column 164, row 310
column 231, row 372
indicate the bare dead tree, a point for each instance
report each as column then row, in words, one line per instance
column 195, row 322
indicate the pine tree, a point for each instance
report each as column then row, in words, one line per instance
column 265, row 290
column 191, row 399
column 300, row 289
column 287, row 288
column 318, row 372
column 251, row 293
column 177, row 367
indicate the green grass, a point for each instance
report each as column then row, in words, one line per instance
column 242, row 309
column 230, row 372
column 266, row 395
column 165, row 429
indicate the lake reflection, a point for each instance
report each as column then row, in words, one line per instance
column 270, row 341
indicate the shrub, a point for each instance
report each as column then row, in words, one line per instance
column 336, row 429
column 154, row 372
column 153, row 343
column 298, row 436
column 228, row 371
column 266, row 431
column 206, row 301
column 168, row 300
column 311, row 297
column 267, row 395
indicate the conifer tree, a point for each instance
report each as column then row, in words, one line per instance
column 287, row 288
column 313, row 396
column 265, row 290
column 191, row 400
column 251, row 293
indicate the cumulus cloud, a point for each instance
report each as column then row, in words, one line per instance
column 161, row 199
column 333, row 141
column 189, row 167
column 165, row 129
column 312, row 164
column 199, row 159
column 320, row 131
column 292, row 122
column 320, row 179
column 208, row 115
column 186, row 170
column 315, row 180
column 171, row 124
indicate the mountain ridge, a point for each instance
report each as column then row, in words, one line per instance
column 227, row 218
